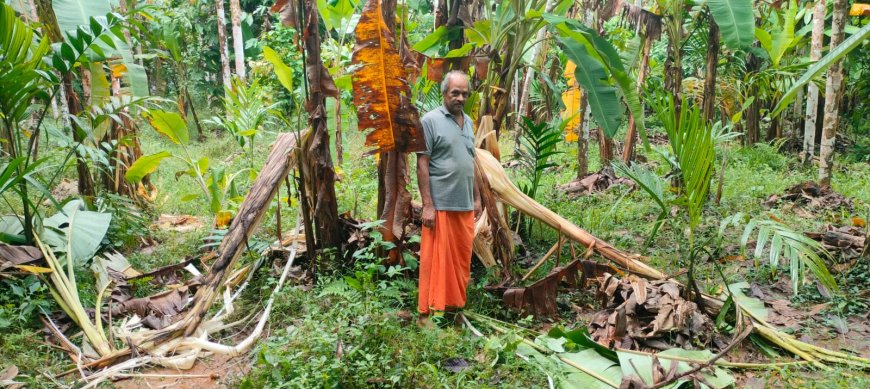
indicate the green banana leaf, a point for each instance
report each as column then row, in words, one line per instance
column 735, row 20
column 833, row 56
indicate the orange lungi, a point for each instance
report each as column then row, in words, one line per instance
column 445, row 261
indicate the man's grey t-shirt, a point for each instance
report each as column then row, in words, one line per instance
column 451, row 160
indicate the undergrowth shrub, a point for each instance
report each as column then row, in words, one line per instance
column 331, row 338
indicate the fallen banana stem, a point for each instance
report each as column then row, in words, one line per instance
column 186, row 350
column 510, row 194
column 722, row 363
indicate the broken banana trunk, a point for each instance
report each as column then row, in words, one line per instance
column 508, row 193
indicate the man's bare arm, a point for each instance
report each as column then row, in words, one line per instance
column 425, row 193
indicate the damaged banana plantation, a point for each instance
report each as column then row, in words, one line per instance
column 625, row 194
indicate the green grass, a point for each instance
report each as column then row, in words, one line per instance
column 328, row 338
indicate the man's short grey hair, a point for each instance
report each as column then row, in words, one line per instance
column 447, row 77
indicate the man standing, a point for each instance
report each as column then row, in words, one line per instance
column 445, row 174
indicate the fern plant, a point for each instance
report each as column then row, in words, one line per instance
column 246, row 115
column 537, row 145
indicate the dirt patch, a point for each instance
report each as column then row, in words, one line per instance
column 217, row 371
column 64, row 189
column 178, row 223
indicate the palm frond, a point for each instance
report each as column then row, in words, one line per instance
column 650, row 183
column 692, row 143
column 783, row 243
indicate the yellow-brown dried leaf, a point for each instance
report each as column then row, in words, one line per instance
column 380, row 87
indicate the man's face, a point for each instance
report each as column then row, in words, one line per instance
column 457, row 93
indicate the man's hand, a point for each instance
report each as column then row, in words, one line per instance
column 477, row 208
column 428, row 216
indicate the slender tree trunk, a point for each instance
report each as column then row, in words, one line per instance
column 797, row 112
column 673, row 62
column 440, row 13
column 813, row 89
column 51, row 29
column 64, row 105
column 86, row 87
column 583, row 138
column 196, row 122
column 605, row 148
column 238, row 42
column 775, row 129
column 319, row 170
column 833, row 95
column 222, row 44
column 710, row 75
column 753, row 119
column 339, row 147
column 539, row 52
column 631, row 135
column 85, row 181
column 753, row 114
column 454, row 21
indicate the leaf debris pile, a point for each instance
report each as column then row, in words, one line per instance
column 812, row 195
column 849, row 241
column 594, row 182
column 642, row 314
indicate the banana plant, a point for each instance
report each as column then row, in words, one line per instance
column 735, row 20
column 781, row 36
column 601, row 73
column 216, row 186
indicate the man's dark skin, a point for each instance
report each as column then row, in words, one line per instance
column 454, row 101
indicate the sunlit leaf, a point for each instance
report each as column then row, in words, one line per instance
column 33, row 269
column 282, row 71
column 381, row 91
column 145, row 165
column 170, row 124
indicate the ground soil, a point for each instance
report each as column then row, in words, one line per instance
column 216, row 371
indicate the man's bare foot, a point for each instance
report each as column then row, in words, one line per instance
column 423, row 321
